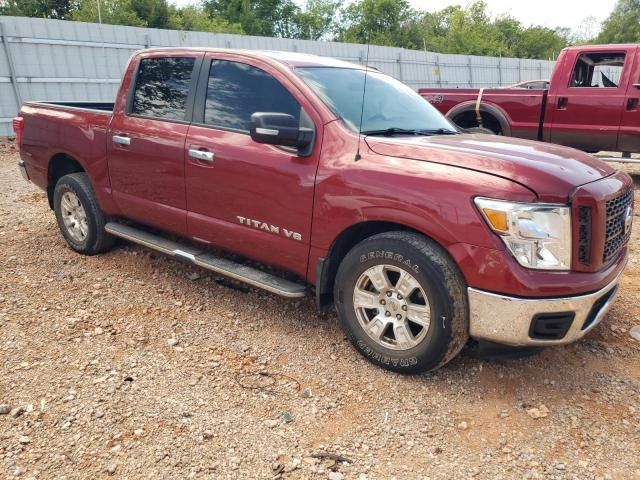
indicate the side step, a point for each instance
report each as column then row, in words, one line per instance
column 207, row 260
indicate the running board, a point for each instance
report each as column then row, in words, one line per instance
column 207, row 260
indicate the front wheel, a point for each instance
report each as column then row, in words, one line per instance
column 402, row 302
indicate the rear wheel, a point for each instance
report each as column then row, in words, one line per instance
column 402, row 302
column 79, row 217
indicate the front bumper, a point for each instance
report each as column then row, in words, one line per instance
column 514, row 321
column 23, row 170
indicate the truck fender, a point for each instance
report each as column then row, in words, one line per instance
column 374, row 220
column 487, row 108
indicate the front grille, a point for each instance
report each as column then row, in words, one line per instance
column 615, row 235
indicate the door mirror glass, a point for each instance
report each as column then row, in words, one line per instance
column 279, row 129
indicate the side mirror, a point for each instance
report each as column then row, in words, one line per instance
column 279, row 129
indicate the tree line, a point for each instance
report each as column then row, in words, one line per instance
column 455, row 29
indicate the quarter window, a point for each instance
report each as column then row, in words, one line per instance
column 235, row 91
column 162, row 86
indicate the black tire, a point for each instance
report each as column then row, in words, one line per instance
column 439, row 278
column 96, row 240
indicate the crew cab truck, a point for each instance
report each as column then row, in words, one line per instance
column 592, row 102
column 341, row 178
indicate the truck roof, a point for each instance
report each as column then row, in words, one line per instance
column 607, row 47
column 290, row 59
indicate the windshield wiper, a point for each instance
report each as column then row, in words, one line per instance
column 405, row 131
column 439, row 131
column 392, row 131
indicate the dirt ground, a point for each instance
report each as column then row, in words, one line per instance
column 131, row 365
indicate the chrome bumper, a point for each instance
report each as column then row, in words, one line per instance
column 508, row 320
column 23, row 170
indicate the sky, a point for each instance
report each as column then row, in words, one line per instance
column 548, row 13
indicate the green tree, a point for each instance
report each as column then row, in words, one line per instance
column 471, row 31
column 540, row 42
column 195, row 19
column 155, row 13
column 114, row 12
column 271, row 18
column 314, row 21
column 466, row 31
column 58, row 9
column 623, row 25
column 380, row 22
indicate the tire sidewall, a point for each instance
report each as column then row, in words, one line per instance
column 70, row 184
column 431, row 351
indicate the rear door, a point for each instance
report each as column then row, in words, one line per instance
column 629, row 136
column 242, row 196
column 147, row 137
column 586, row 110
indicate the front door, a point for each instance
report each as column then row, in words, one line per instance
column 146, row 142
column 586, row 112
column 242, row 196
column 629, row 136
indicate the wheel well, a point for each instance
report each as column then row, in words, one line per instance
column 468, row 119
column 59, row 166
column 347, row 239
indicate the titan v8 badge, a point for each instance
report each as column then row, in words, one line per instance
column 267, row 227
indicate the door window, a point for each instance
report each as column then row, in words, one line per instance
column 162, row 87
column 598, row 70
column 235, row 91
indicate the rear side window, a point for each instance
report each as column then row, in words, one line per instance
column 235, row 91
column 162, row 86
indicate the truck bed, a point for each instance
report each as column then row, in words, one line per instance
column 68, row 129
column 522, row 108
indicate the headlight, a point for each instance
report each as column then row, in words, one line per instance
column 538, row 235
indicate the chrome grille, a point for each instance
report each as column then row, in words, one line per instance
column 615, row 235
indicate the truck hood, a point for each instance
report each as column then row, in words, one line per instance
column 551, row 171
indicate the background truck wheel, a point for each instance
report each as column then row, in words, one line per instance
column 79, row 217
column 402, row 302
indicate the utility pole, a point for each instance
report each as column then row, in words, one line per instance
column 99, row 13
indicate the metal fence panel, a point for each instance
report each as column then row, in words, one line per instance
column 75, row 61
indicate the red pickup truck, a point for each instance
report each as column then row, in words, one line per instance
column 591, row 102
column 344, row 179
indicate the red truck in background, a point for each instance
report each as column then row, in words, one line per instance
column 419, row 235
column 591, row 102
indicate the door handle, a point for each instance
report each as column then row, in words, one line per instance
column 562, row 102
column 632, row 104
column 121, row 140
column 201, row 155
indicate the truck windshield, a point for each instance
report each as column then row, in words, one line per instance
column 390, row 107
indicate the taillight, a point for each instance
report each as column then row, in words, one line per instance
column 18, row 128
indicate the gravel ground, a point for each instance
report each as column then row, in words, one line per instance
column 131, row 365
